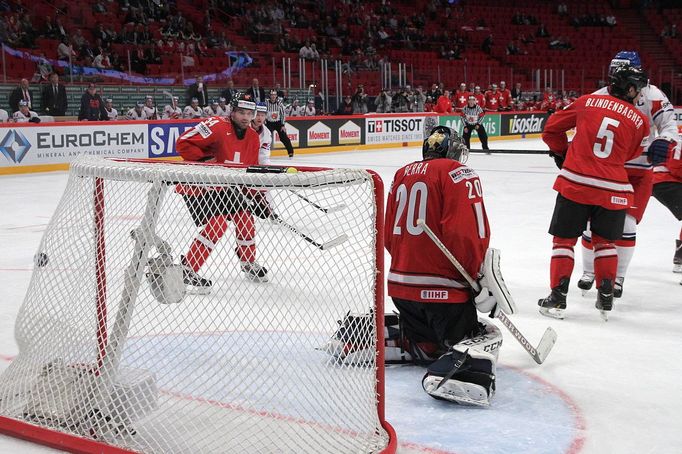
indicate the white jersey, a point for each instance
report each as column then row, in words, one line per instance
column 265, row 145
column 21, row 118
column 191, row 112
column 309, row 111
column 152, row 113
column 655, row 105
column 4, row 116
column 173, row 113
column 112, row 114
column 134, row 115
column 293, row 111
column 219, row 112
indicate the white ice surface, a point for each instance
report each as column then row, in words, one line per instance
column 623, row 376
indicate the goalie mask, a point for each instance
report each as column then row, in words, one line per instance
column 444, row 142
column 625, row 77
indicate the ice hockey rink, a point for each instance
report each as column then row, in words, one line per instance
column 606, row 387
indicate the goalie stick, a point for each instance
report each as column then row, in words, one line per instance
column 539, row 353
column 321, row 208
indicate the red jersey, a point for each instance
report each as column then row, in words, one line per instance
column 443, row 105
column 492, row 101
column 215, row 139
column 671, row 171
column 461, row 99
column 609, row 132
column 480, row 99
column 448, row 195
column 504, row 98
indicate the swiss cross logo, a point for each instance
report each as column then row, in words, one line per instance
column 376, row 126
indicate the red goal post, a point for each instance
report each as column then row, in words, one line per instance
column 107, row 364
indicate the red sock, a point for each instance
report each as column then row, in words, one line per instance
column 245, row 231
column 561, row 265
column 205, row 242
column 605, row 259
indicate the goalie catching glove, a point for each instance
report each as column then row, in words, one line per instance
column 493, row 295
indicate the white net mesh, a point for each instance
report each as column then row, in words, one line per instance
column 107, row 352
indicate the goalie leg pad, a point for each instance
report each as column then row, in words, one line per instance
column 493, row 280
column 488, row 340
column 353, row 341
column 464, row 377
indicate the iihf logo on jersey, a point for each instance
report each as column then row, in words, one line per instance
column 14, row 146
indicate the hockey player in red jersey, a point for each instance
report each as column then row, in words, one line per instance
column 225, row 141
column 663, row 140
column 437, row 323
column 668, row 191
column 461, row 96
column 593, row 184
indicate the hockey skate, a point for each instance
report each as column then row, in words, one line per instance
column 585, row 282
column 555, row 304
column 677, row 260
column 254, row 271
column 196, row 284
column 605, row 298
column 352, row 341
column 618, row 287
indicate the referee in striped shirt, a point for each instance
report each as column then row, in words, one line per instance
column 472, row 115
column 274, row 121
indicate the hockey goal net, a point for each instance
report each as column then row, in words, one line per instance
column 115, row 353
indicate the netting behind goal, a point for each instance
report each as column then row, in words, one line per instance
column 113, row 350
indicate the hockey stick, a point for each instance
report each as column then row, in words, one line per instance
column 539, row 353
column 322, row 246
column 322, row 209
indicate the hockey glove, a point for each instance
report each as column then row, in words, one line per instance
column 659, row 150
column 485, row 302
column 260, row 206
column 34, row 120
column 558, row 159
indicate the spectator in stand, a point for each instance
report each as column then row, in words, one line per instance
column 492, row 101
column 199, row 91
column 444, row 104
column 295, row 110
column 24, row 114
column 256, row 91
column 172, row 111
column 428, row 105
column 461, row 96
column 309, row 109
column 505, row 98
column 43, row 69
column 101, row 61
column 435, row 92
column 112, row 113
column 419, row 99
column 53, row 99
column 65, row 50
column 487, row 45
column 516, row 91
column 360, row 101
column 562, row 9
column 480, row 97
column 92, row 105
column 542, row 32
column 193, row 110
column 400, row 102
column 22, row 92
column 512, row 48
column 138, row 60
column 346, row 107
column 228, row 92
column 137, row 112
column 309, row 52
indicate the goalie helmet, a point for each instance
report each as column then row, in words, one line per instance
column 624, row 77
column 243, row 101
column 625, row 57
column 444, row 142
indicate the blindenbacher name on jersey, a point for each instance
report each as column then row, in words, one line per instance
column 616, row 106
